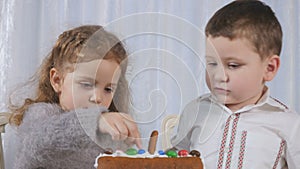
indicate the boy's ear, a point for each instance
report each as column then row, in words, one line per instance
column 272, row 66
column 55, row 80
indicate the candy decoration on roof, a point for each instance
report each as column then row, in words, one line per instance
column 141, row 151
column 183, row 153
column 108, row 151
column 171, row 153
column 131, row 151
column 152, row 142
column 195, row 153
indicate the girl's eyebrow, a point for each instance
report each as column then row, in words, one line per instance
column 113, row 85
column 86, row 78
column 94, row 80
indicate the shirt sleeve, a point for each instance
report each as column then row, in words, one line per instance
column 182, row 139
column 293, row 147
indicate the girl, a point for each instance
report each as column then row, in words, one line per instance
column 83, row 76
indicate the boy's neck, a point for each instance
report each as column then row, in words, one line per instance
column 252, row 101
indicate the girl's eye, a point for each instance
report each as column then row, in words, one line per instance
column 109, row 89
column 86, row 84
column 233, row 65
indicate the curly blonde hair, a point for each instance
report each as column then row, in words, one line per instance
column 81, row 44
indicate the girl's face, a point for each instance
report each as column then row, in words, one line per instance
column 235, row 72
column 91, row 83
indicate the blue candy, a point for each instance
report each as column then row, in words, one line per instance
column 141, row 151
column 161, row 152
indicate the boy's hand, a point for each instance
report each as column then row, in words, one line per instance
column 121, row 127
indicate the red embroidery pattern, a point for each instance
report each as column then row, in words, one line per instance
column 221, row 153
column 231, row 143
column 280, row 102
column 242, row 149
column 282, row 144
column 222, row 148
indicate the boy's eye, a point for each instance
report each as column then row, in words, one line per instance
column 212, row 63
column 233, row 65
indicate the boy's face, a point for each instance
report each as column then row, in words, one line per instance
column 91, row 83
column 235, row 74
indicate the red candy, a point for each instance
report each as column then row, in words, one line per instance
column 183, row 153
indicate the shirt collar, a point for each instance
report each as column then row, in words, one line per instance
column 266, row 99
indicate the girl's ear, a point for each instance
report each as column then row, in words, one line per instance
column 56, row 80
column 272, row 66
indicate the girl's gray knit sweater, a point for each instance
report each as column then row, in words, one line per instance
column 53, row 139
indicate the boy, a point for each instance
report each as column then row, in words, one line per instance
column 238, row 125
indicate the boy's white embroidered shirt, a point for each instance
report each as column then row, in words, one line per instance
column 264, row 135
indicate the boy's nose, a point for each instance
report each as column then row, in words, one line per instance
column 220, row 75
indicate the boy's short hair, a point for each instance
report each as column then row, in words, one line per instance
column 249, row 19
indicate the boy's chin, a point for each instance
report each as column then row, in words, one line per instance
column 223, row 99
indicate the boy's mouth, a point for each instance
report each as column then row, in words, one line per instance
column 222, row 91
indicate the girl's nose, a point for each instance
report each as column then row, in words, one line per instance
column 96, row 97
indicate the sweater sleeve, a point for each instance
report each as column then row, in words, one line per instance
column 90, row 125
column 51, row 137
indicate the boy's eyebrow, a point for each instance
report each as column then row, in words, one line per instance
column 232, row 58
column 209, row 56
column 225, row 58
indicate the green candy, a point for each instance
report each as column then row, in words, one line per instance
column 131, row 151
column 171, row 153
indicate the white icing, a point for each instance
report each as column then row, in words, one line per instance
column 119, row 153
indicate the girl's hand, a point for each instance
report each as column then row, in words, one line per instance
column 121, row 127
